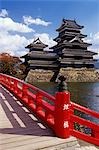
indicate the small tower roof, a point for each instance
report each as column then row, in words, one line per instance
column 37, row 44
column 69, row 24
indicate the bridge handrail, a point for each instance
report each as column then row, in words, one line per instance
column 93, row 135
column 31, row 86
column 84, row 110
column 85, row 122
column 92, row 129
column 59, row 116
column 35, row 101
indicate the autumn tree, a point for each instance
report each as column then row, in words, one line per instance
column 7, row 63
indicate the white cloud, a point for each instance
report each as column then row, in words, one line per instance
column 3, row 13
column 11, row 41
column 94, row 39
column 8, row 24
column 28, row 20
column 13, row 44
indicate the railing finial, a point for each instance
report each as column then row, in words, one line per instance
column 62, row 85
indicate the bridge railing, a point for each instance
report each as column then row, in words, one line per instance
column 88, row 130
column 40, row 102
column 57, row 112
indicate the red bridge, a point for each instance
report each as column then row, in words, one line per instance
column 58, row 112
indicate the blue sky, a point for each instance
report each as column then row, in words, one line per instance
column 85, row 12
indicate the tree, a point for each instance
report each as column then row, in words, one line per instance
column 7, row 63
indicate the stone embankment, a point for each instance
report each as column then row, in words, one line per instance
column 80, row 75
column 71, row 74
column 39, row 76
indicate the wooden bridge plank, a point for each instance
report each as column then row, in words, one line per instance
column 34, row 135
column 35, row 143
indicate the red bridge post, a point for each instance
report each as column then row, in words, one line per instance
column 62, row 112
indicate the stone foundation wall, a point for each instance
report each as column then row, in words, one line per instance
column 80, row 75
column 39, row 76
column 72, row 75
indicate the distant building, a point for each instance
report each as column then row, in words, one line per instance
column 38, row 58
column 70, row 51
column 70, row 46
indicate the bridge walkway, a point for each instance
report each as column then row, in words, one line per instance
column 20, row 129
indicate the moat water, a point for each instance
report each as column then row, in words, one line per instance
column 85, row 94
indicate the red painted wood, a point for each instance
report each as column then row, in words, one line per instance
column 85, row 110
column 59, row 115
column 62, row 114
column 85, row 122
column 85, row 137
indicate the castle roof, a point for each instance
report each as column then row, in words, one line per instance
column 36, row 44
column 69, row 24
column 41, row 54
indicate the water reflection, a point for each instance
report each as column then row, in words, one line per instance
column 49, row 87
column 86, row 94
